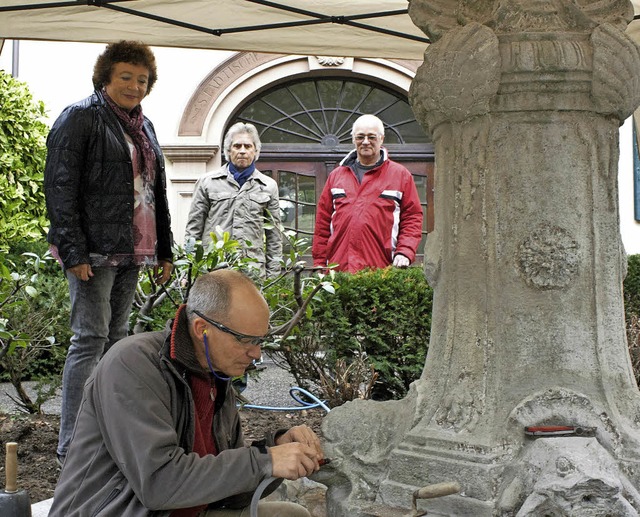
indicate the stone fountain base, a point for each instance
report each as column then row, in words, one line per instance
column 379, row 461
column 523, row 100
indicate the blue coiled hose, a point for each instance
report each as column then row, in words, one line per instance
column 294, row 391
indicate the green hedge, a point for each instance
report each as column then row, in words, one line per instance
column 632, row 287
column 385, row 313
column 22, row 158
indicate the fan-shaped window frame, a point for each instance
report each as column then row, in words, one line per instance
column 332, row 129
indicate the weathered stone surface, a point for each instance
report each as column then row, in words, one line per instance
column 523, row 100
column 573, row 477
column 359, row 439
column 462, row 80
column 308, row 493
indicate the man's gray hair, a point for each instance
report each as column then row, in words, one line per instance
column 237, row 129
column 211, row 293
column 368, row 121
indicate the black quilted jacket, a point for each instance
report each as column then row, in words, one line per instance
column 89, row 185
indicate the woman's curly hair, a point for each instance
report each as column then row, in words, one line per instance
column 134, row 52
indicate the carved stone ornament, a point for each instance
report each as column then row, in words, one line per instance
column 548, row 258
column 436, row 17
column 330, row 61
column 571, row 477
column 460, row 409
column 459, row 79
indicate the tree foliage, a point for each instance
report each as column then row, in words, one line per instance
column 22, row 158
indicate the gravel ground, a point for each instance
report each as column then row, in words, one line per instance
column 269, row 388
column 51, row 407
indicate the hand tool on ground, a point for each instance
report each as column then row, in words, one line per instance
column 431, row 491
column 427, row 492
column 13, row 502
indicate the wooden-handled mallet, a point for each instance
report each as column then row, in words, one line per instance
column 13, row 502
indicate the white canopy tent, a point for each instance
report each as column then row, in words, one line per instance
column 310, row 27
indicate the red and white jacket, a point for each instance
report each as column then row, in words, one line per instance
column 366, row 224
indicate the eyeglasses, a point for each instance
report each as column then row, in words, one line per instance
column 245, row 339
column 371, row 138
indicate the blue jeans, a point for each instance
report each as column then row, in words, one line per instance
column 100, row 309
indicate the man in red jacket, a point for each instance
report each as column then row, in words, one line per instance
column 369, row 213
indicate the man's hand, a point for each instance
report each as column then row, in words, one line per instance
column 81, row 271
column 293, row 460
column 400, row 261
column 162, row 271
column 297, row 453
column 302, row 434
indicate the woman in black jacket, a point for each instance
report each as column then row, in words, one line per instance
column 107, row 204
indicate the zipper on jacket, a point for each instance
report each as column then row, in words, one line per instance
column 110, row 497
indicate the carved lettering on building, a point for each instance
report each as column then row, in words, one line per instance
column 212, row 87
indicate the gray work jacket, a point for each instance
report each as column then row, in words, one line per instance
column 218, row 201
column 132, row 450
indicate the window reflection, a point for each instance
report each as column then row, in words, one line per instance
column 297, row 203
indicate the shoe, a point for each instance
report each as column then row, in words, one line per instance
column 60, row 460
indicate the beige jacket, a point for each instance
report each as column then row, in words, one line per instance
column 219, row 201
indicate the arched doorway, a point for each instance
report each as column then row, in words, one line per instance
column 305, row 129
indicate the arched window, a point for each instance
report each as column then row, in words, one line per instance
column 322, row 111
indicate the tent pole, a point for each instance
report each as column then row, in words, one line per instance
column 15, row 61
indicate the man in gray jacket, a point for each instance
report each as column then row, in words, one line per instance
column 158, row 431
column 239, row 199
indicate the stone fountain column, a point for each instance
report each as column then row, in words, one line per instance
column 523, row 99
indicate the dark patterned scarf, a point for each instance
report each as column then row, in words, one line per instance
column 241, row 176
column 132, row 123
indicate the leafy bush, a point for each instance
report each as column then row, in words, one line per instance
column 22, row 158
column 381, row 315
column 34, row 323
